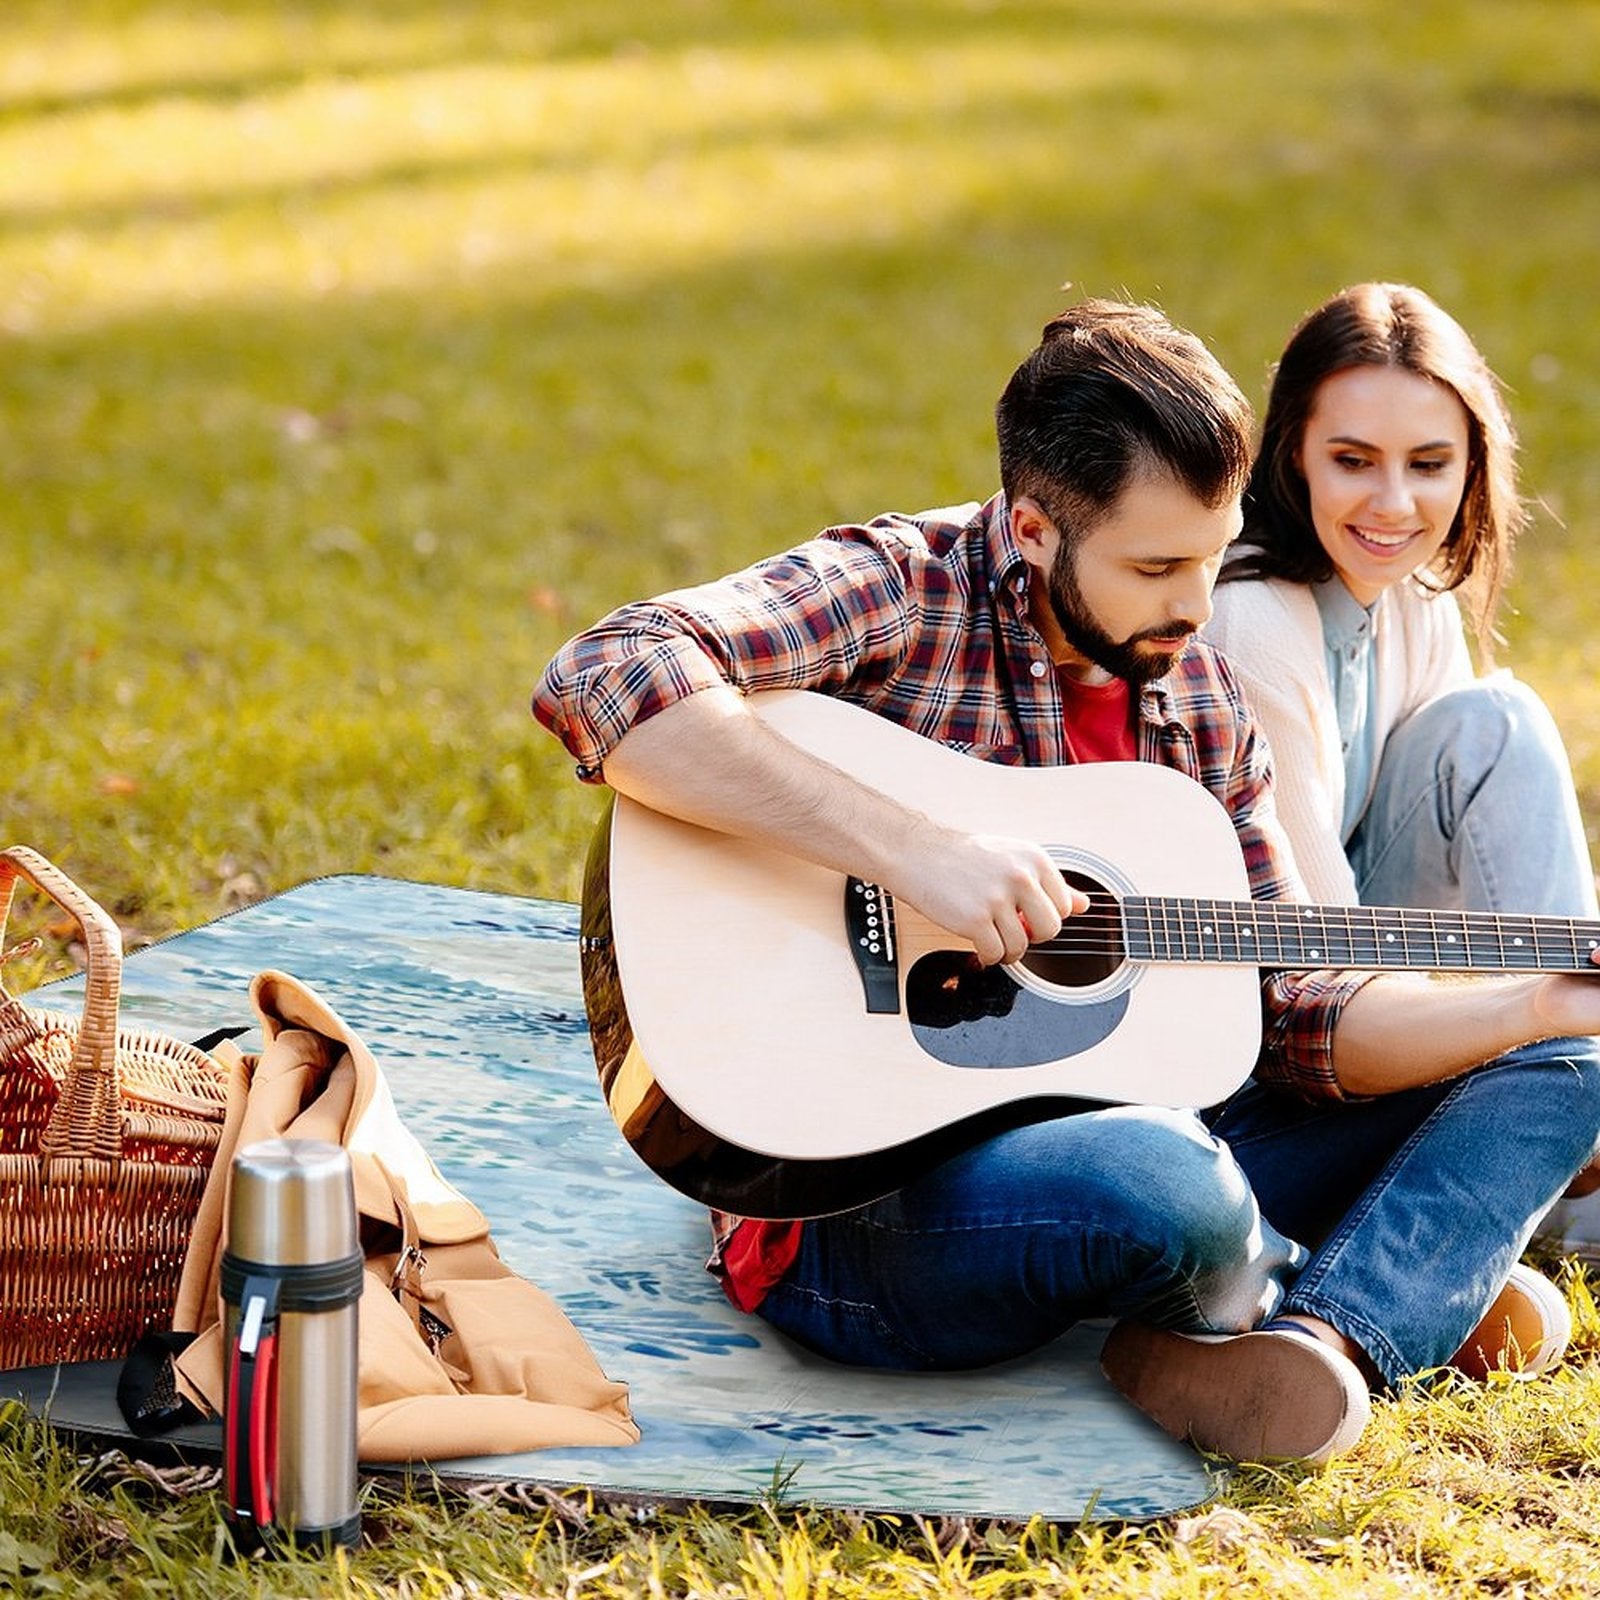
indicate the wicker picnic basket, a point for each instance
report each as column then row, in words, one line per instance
column 106, row 1138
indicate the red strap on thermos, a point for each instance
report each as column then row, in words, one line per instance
column 250, row 1444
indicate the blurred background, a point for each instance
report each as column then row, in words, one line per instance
column 352, row 355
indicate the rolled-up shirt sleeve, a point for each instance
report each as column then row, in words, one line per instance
column 616, row 675
column 828, row 612
column 1300, row 1012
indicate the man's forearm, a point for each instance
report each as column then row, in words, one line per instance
column 710, row 760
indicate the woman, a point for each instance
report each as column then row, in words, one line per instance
column 1384, row 488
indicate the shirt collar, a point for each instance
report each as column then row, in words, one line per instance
column 1344, row 619
column 1005, row 559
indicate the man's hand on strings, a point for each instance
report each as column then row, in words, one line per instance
column 1002, row 894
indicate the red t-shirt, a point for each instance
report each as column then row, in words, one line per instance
column 1099, row 727
column 1099, row 719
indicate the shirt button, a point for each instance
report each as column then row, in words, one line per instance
column 1038, row 669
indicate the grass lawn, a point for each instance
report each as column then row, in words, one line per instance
column 354, row 354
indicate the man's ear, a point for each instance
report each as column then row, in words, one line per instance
column 1034, row 534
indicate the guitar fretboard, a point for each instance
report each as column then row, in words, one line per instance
column 1283, row 934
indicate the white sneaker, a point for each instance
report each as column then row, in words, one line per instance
column 1263, row 1396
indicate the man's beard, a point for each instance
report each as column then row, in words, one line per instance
column 1121, row 658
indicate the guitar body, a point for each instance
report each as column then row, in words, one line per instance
column 731, row 1020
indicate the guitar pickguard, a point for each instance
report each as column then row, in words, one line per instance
column 967, row 1015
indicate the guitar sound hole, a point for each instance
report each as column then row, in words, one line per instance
column 1089, row 948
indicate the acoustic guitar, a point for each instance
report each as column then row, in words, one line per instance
column 780, row 1040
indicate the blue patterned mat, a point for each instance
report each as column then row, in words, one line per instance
column 472, row 1004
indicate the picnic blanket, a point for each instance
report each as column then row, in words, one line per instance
column 472, row 1003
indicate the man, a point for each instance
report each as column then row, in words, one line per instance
column 1362, row 1201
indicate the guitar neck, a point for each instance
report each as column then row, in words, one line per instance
column 1284, row 934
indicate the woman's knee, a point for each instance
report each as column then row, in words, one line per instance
column 1484, row 724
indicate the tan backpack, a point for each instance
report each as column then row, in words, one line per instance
column 458, row 1355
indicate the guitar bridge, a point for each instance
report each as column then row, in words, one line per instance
column 869, row 924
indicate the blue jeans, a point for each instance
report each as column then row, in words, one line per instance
column 1473, row 809
column 1132, row 1212
column 1416, row 1204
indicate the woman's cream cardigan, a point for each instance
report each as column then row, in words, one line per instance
column 1271, row 632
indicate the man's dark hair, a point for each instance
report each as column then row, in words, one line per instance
column 1113, row 389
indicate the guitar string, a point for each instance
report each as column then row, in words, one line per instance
column 1102, row 929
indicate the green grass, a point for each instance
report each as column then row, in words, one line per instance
column 351, row 355
column 1458, row 1492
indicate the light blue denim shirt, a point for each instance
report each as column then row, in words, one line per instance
column 1353, row 676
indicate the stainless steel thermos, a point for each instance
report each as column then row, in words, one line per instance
column 291, row 1281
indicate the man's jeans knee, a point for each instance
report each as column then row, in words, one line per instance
column 1118, row 1211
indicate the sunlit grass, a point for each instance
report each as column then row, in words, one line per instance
column 1453, row 1493
column 353, row 358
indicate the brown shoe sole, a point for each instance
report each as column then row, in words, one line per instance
column 1253, row 1397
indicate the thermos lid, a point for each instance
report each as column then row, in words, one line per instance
column 292, row 1203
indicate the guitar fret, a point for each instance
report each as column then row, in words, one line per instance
column 1173, row 928
column 1253, row 937
column 1585, row 941
column 1550, row 940
column 1286, row 937
column 1157, row 932
column 1291, row 944
column 1140, row 930
column 1270, row 929
column 1172, row 951
column 1306, row 938
column 1389, row 937
column 1215, row 925
column 1149, row 910
column 1228, row 921
column 1131, row 910
column 1363, row 936
column 1334, row 948
column 1186, row 922
column 1488, row 950
column 1452, row 940
column 1298, row 924
column 1518, row 948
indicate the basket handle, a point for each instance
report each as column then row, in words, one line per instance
column 87, row 1119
